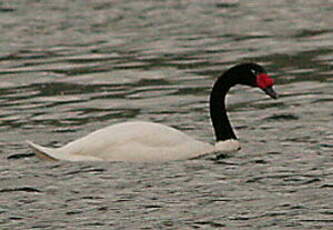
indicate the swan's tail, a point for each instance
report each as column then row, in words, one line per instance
column 43, row 152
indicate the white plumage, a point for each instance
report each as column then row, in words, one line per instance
column 137, row 141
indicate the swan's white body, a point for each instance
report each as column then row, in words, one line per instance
column 134, row 142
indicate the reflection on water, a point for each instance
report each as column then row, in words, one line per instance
column 70, row 67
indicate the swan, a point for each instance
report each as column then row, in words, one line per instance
column 141, row 141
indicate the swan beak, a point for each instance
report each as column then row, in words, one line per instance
column 270, row 91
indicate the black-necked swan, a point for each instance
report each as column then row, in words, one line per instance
column 139, row 141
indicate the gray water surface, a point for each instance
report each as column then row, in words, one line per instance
column 70, row 67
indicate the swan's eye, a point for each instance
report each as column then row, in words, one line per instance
column 254, row 72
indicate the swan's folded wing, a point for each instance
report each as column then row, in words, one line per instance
column 53, row 154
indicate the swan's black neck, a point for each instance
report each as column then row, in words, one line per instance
column 218, row 113
column 246, row 74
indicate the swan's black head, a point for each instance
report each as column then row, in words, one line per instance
column 253, row 75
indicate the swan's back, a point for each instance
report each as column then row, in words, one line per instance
column 132, row 141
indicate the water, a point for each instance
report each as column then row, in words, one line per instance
column 70, row 67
